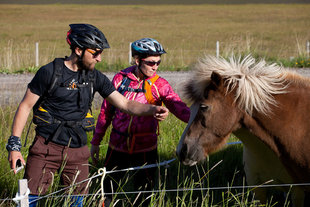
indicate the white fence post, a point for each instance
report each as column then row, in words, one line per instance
column 129, row 54
column 217, row 49
column 37, row 54
column 22, row 190
column 308, row 48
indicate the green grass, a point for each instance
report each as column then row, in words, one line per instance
column 8, row 182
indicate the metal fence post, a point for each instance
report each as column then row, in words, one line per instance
column 308, row 48
column 129, row 53
column 22, row 190
column 37, row 54
column 217, row 49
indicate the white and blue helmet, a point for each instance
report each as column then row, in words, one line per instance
column 147, row 47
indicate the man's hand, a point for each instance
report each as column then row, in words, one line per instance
column 161, row 113
column 94, row 152
column 13, row 157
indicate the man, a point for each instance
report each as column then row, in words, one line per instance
column 61, row 107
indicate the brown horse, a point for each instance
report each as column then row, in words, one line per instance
column 265, row 106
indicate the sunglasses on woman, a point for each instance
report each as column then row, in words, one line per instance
column 95, row 53
column 151, row 63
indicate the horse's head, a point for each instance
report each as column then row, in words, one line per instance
column 213, row 118
column 223, row 91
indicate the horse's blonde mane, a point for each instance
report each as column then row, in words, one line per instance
column 255, row 83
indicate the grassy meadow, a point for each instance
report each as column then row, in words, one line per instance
column 277, row 32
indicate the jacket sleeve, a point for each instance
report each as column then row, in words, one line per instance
column 103, row 122
column 105, row 117
column 173, row 102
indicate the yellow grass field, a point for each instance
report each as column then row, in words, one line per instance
column 186, row 31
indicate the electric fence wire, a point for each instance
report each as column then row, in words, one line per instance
column 183, row 189
column 164, row 163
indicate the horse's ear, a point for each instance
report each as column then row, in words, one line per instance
column 216, row 78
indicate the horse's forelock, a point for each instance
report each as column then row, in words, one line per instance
column 194, row 90
column 255, row 82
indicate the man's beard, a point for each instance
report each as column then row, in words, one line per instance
column 82, row 66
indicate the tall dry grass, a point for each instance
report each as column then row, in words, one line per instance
column 186, row 31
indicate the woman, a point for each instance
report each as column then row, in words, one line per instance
column 133, row 140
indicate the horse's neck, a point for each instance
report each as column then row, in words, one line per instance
column 286, row 130
column 254, row 127
column 256, row 145
column 260, row 160
column 288, row 121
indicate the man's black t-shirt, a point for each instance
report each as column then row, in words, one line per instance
column 67, row 102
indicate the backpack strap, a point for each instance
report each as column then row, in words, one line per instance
column 57, row 73
column 124, row 85
column 91, row 79
column 121, row 89
column 58, row 66
column 148, row 89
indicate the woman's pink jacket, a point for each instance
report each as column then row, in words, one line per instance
column 133, row 134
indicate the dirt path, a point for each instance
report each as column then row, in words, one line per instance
column 13, row 87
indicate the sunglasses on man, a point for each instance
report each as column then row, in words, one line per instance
column 95, row 53
column 151, row 63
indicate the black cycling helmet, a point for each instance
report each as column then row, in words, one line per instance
column 146, row 47
column 86, row 36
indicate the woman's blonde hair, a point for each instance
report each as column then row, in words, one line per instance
column 133, row 60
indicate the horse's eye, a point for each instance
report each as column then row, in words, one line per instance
column 203, row 107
